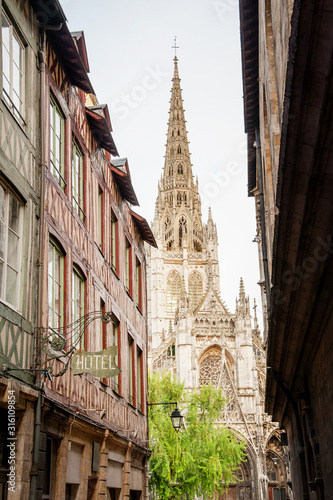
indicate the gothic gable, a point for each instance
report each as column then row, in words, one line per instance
column 213, row 305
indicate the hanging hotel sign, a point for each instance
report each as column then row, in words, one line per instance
column 101, row 364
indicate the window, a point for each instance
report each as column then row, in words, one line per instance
column 11, row 215
column 100, row 218
column 182, row 230
column 114, row 242
column 279, row 494
column 195, row 289
column 138, row 282
column 115, row 340
column 57, row 143
column 78, row 283
column 179, row 150
column 77, row 181
column 55, row 285
column 128, row 267
column 139, row 379
column 131, row 370
column 180, row 169
column 173, row 291
column 12, row 68
column 110, row 335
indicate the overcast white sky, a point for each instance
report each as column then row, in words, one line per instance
column 131, row 67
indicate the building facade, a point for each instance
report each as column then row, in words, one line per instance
column 73, row 298
column 191, row 331
column 19, row 213
column 287, row 50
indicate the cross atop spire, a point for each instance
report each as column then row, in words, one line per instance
column 175, row 46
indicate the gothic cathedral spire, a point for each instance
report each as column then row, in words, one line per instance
column 177, row 168
column 178, row 202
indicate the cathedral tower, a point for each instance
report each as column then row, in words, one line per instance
column 187, row 255
column 191, row 331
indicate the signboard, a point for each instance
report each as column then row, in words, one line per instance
column 102, row 364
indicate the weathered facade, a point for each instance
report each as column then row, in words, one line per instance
column 191, row 331
column 287, row 50
column 19, row 212
column 73, row 274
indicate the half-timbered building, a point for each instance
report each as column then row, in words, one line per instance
column 73, row 274
column 19, row 212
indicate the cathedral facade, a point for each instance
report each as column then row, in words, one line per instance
column 191, row 331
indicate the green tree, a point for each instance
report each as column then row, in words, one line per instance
column 200, row 459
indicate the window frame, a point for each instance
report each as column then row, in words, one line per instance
column 100, row 228
column 128, row 267
column 77, row 181
column 58, row 174
column 138, row 283
column 10, row 194
column 18, row 113
column 114, row 237
column 77, row 274
column 139, row 380
column 131, row 370
column 56, row 249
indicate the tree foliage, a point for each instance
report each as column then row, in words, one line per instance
column 200, row 459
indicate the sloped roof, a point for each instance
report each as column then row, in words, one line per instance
column 144, row 229
column 80, row 41
column 99, row 119
column 122, row 176
column 67, row 52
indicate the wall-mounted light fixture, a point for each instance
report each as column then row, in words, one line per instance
column 176, row 417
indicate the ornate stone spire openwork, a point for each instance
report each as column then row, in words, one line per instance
column 177, row 168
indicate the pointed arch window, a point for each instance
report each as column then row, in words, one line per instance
column 210, row 369
column 173, row 291
column 182, row 230
column 179, row 150
column 195, row 288
column 180, row 168
column 170, row 170
column 178, row 132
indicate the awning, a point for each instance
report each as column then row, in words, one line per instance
column 99, row 120
column 122, row 177
column 65, row 48
column 144, row 229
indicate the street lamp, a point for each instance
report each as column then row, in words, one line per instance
column 176, row 417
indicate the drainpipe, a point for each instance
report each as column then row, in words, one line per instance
column 262, row 222
column 40, row 264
